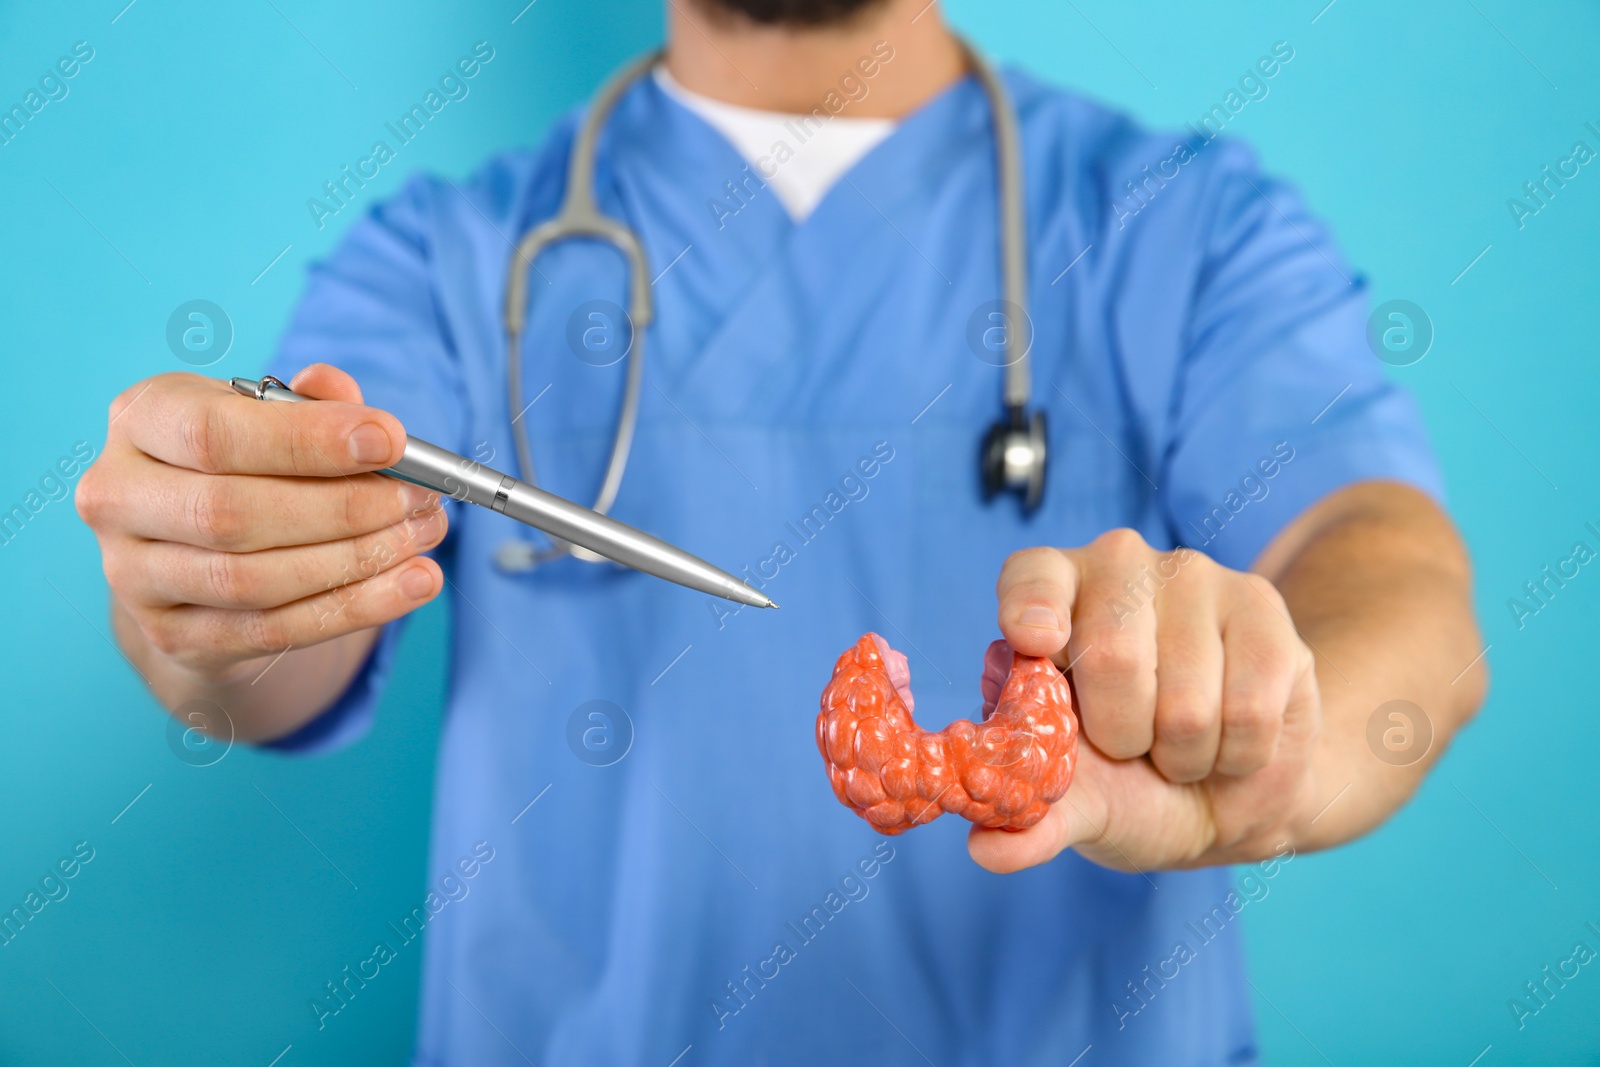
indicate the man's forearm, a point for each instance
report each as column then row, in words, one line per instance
column 263, row 699
column 1380, row 587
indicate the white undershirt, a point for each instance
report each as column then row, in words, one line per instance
column 800, row 157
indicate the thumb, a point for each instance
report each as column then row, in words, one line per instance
column 1121, row 814
column 1077, row 817
column 323, row 381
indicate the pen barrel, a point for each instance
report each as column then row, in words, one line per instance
column 605, row 536
column 467, row 480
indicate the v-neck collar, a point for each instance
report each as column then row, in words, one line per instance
column 651, row 130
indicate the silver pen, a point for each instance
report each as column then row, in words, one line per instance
column 460, row 478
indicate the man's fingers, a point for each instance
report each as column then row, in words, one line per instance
column 201, row 424
column 1113, row 650
column 1263, row 655
column 229, row 636
column 243, row 513
column 233, row 528
column 1036, row 590
column 1189, row 669
column 177, row 574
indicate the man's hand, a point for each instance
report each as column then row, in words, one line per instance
column 1198, row 701
column 232, row 531
column 1211, row 734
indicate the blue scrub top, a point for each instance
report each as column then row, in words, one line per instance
column 811, row 411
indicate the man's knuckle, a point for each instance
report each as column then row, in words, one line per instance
column 114, row 564
column 204, row 434
column 1113, row 656
column 352, row 508
column 217, row 513
column 1251, row 710
column 1185, row 717
column 304, row 456
column 89, row 499
column 226, row 578
column 1122, row 543
column 165, row 632
column 261, row 631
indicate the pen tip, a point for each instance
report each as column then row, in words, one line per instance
column 772, row 603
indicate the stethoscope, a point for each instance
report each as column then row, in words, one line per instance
column 1014, row 452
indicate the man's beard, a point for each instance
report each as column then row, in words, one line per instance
column 794, row 12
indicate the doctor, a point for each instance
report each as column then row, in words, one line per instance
column 1237, row 545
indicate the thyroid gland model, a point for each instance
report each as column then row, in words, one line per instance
column 1001, row 773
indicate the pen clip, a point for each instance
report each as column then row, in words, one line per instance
column 256, row 390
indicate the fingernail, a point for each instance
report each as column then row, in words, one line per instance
column 1040, row 618
column 416, row 583
column 369, row 444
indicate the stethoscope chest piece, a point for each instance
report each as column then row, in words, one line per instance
column 1015, row 457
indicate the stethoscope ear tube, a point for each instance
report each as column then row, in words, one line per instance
column 1013, row 226
column 580, row 216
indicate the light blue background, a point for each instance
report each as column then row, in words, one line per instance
column 178, row 168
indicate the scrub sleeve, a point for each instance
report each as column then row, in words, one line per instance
column 1276, row 363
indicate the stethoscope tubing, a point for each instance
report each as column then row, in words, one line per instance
column 579, row 216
